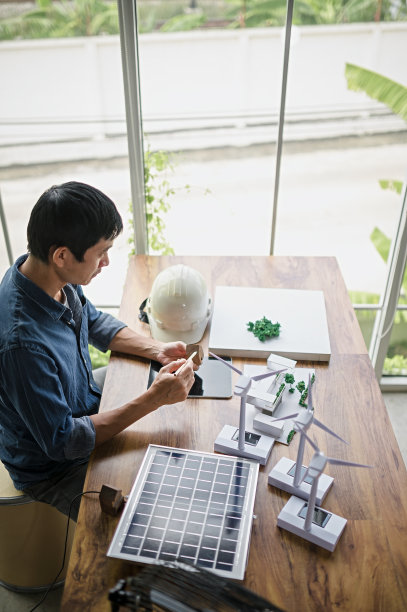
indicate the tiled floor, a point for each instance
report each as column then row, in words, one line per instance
column 396, row 404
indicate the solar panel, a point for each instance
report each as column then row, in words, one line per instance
column 189, row 506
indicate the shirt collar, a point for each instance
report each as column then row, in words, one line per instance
column 55, row 309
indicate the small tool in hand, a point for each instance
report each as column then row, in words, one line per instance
column 190, row 358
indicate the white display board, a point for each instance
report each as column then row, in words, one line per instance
column 302, row 315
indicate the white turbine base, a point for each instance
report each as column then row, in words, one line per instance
column 280, row 478
column 225, row 443
column 327, row 537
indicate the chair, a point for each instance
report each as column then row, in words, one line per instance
column 32, row 536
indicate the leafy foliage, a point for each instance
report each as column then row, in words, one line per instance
column 264, row 13
column 395, row 365
column 63, row 19
column 317, row 12
column 301, row 386
column 158, row 194
column 391, row 185
column 394, row 96
column 184, row 22
column 98, row 358
column 378, row 87
column 92, row 17
column 290, row 380
column 291, row 436
column 264, row 328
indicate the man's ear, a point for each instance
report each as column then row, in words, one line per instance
column 60, row 256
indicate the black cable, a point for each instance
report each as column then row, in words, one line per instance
column 65, row 547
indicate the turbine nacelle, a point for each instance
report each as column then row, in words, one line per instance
column 317, row 464
column 244, row 383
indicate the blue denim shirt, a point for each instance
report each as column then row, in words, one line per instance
column 47, row 390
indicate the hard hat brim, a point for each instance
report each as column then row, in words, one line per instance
column 189, row 337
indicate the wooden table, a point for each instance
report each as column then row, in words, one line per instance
column 368, row 569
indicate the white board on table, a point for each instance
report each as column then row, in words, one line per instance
column 301, row 313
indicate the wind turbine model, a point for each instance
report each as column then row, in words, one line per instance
column 291, row 476
column 306, row 519
column 240, row 442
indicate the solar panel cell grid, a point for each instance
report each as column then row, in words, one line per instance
column 191, row 506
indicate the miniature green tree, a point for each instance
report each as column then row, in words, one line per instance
column 290, row 380
column 290, row 436
column 281, row 389
column 264, row 328
column 301, row 386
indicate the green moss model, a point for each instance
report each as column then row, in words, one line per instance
column 264, row 329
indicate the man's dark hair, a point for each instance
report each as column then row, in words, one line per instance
column 74, row 215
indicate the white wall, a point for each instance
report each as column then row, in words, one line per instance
column 72, row 88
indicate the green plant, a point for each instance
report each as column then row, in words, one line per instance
column 300, row 386
column 98, row 358
column 63, row 19
column 158, row 193
column 378, row 87
column 257, row 13
column 395, row 365
column 264, row 328
column 265, row 13
column 394, row 96
column 291, row 436
column 184, row 22
column 280, row 390
column 290, row 380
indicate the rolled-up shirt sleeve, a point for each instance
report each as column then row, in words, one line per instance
column 102, row 326
column 81, row 440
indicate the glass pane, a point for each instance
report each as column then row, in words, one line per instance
column 366, row 319
column 63, row 119
column 395, row 363
column 211, row 98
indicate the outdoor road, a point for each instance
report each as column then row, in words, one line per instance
column 329, row 203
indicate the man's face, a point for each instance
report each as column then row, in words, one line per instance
column 95, row 258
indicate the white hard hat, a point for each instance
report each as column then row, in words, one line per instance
column 179, row 306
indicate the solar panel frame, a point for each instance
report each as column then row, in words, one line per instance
column 189, row 506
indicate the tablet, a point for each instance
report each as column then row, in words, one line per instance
column 212, row 380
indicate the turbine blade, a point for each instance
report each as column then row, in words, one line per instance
column 225, row 362
column 351, row 463
column 314, row 446
column 285, row 418
column 325, row 428
column 309, row 398
column 261, row 376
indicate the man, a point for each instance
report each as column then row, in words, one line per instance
column 49, row 400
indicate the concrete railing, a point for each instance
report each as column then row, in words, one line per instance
column 61, row 89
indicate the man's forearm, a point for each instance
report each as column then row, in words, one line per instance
column 128, row 341
column 108, row 424
column 166, row 389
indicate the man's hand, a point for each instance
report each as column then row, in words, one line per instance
column 170, row 351
column 166, row 389
column 128, row 341
column 170, row 389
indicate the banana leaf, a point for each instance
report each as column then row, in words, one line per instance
column 382, row 245
column 378, row 87
column 391, row 185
